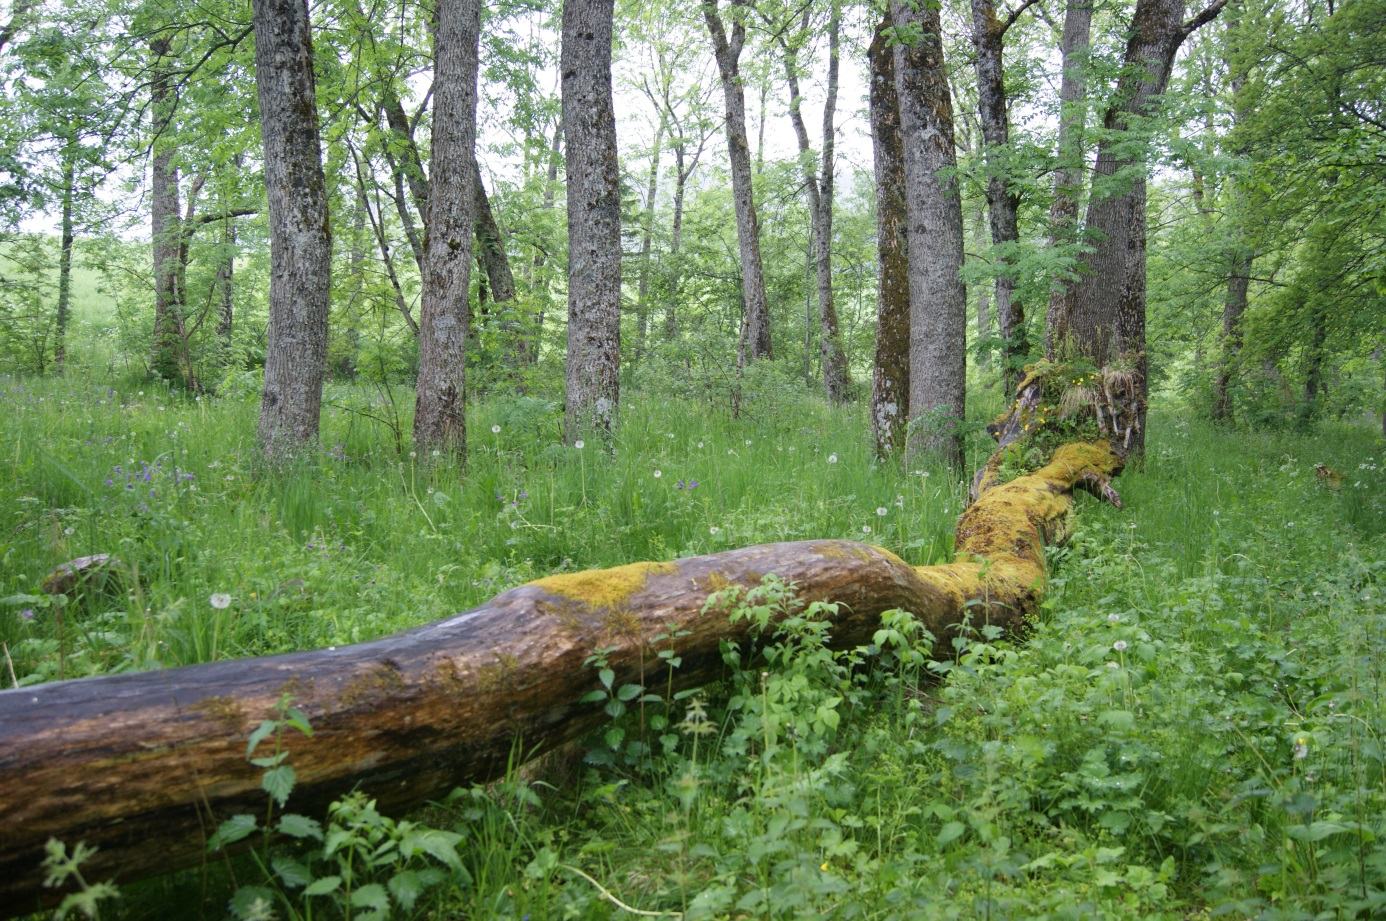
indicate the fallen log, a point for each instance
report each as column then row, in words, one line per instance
column 145, row 766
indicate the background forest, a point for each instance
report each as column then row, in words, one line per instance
column 1195, row 725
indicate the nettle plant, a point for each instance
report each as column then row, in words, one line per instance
column 363, row 863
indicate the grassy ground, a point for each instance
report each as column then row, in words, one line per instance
column 1193, row 728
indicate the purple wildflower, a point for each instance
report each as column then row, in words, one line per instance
column 26, row 614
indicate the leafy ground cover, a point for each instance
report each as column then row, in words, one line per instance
column 1193, row 728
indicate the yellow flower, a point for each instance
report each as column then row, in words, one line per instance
column 825, row 866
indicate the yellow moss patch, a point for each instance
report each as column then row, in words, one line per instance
column 842, row 550
column 605, row 588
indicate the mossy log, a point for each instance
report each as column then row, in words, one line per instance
column 144, row 766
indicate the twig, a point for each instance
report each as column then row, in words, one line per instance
column 6, row 646
column 606, row 894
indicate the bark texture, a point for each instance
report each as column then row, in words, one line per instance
column 144, row 766
column 594, row 219
column 818, row 180
column 1003, row 198
column 890, row 378
column 300, row 238
column 938, row 301
column 727, row 49
column 1241, row 255
column 642, row 305
column 165, row 223
column 440, row 408
column 1068, row 172
column 64, row 262
column 1107, row 318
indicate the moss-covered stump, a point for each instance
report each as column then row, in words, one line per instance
column 145, row 766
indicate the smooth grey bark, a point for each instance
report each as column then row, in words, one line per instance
column 938, row 301
column 226, row 276
column 1107, row 319
column 440, row 405
column 756, row 326
column 837, row 377
column 300, row 235
column 594, row 220
column 979, row 229
column 890, row 378
column 165, row 219
column 1003, row 198
column 64, row 261
column 550, row 183
column 1068, row 172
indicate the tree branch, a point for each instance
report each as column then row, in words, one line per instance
column 1210, row 12
column 1010, row 20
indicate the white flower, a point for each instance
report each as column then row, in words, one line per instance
column 1301, row 747
column 413, row 453
column 1119, row 645
column 748, row 441
column 1113, row 665
column 495, row 430
column 670, row 435
column 68, row 531
column 832, row 458
column 882, row 511
column 925, row 474
column 578, row 444
column 713, row 530
column 436, row 453
column 700, row 444
column 221, row 601
column 866, row 529
column 658, row 474
column 1113, row 617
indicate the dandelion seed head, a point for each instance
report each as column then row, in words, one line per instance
column 495, row 430
column 866, row 529
column 832, row 458
column 220, row 600
column 1119, row 645
column 882, row 511
column 658, row 474
column 578, row 444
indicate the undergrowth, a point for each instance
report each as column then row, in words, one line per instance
column 1192, row 727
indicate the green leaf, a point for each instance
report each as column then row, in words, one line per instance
column 607, row 676
column 440, row 845
column 950, row 832
column 1117, row 719
column 405, row 886
column 291, row 872
column 231, row 831
column 251, row 902
column 629, row 691
column 1316, row 831
column 298, row 826
column 323, row 885
column 279, row 782
column 263, row 732
column 371, row 895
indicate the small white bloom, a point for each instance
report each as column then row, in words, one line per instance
column 436, row 453
column 221, row 601
column 713, row 530
column 700, row 444
column 1113, row 665
column 882, row 511
column 1113, row 618
column 413, row 453
column 1301, row 748
column 1119, row 645
column 578, row 444
column 748, row 441
column 866, row 529
column 658, row 474
column 495, row 430
column 670, row 435
column 832, row 458
column 925, row 474
column 68, row 531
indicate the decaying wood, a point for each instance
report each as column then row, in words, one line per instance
column 144, row 766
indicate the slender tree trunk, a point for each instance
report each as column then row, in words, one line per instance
column 1239, row 278
column 226, row 305
column 671, row 314
column 594, row 220
column 1068, row 173
column 165, row 218
column 979, row 230
column 65, row 261
column 837, row 377
column 491, row 244
column 642, row 306
column 890, row 379
column 1107, row 321
column 551, row 181
column 938, row 301
column 1003, row 199
column 1314, row 355
column 728, row 53
column 440, row 407
column 300, row 235
column 406, row 218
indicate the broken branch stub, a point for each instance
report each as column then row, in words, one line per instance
column 145, row 766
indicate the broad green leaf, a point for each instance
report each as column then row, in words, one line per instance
column 231, row 831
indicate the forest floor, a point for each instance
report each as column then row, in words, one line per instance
column 1193, row 727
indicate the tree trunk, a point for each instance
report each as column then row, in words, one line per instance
column 728, row 54
column 594, row 220
column 165, row 219
column 1239, row 278
column 642, row 306
column 300, row 236
column 64, row 262
column 491, row 244
column 226, row 307
column 890, row 379
column 1003, row 199
column 1068, row 172
column 837, row 377
column 551, row 180
column 938, row 301
column 142, row 767
column 1107, row 320
column 440, row 406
